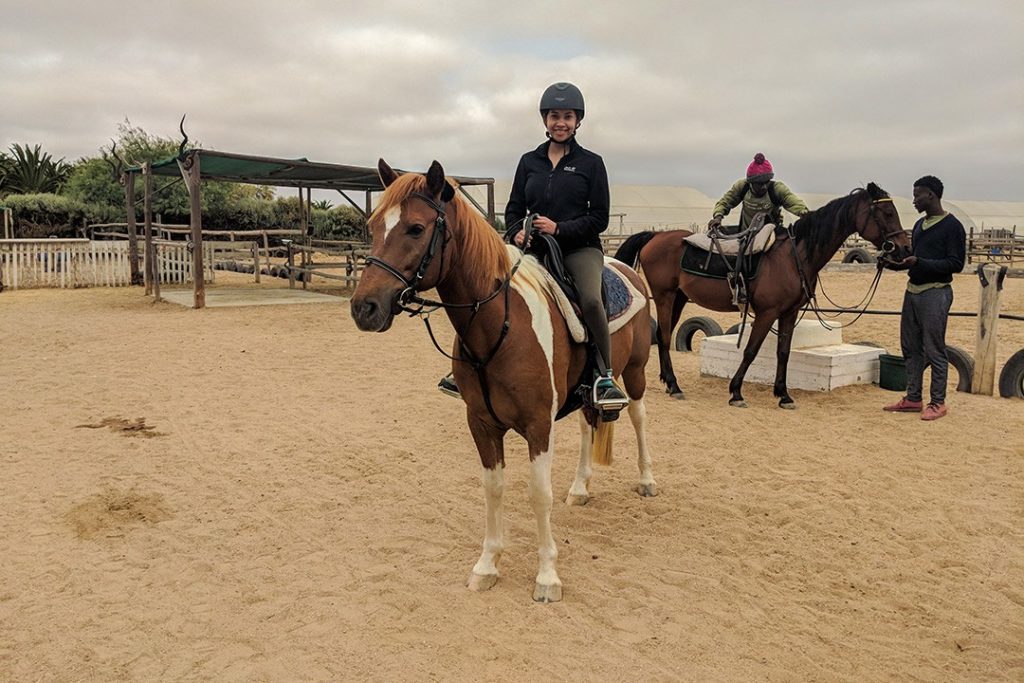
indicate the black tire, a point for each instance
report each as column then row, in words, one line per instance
column 691, row 326
column 735, row 329
column 1011, row 379
column 964, row 364
column 859, row 255
column 654, row 332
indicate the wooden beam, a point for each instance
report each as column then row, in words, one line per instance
column 147, row 225
column 991, row 276
column 190, row 172
column 133, row 240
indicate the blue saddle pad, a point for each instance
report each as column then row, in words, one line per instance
column 617, row 297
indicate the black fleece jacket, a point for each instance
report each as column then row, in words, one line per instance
column 940, row 251
column 574, row 194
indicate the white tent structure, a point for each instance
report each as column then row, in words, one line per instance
column 662, row 207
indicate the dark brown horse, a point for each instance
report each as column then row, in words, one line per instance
column 516, row 363
column 787, row 276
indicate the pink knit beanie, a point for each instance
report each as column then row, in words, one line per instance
column 760, row 167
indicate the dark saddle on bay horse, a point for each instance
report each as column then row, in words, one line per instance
column 727, row 253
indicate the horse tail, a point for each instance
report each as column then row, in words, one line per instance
column 629, row 251
column 601, row 448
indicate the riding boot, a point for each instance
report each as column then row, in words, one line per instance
column 447, row 386
column 608, row 397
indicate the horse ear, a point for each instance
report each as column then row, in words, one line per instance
column 387, row 174
column 876, row 193
column 436, row 183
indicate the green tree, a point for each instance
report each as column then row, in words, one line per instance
column 30, row 170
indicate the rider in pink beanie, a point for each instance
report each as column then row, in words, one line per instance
column 760, row 167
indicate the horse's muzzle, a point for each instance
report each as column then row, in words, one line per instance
column 370, row 316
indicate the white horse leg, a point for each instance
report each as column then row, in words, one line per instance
column 638, row 416
column 578, row 492
column 485, row 571
column 549, row 586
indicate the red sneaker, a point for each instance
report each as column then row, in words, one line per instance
column 905, row 405
column 933, row 411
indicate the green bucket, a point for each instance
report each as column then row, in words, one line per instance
column 892, row 372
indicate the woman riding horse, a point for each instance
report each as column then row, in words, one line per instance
column 515, row 360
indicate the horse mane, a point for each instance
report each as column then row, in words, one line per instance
column 483, row 257
column 817, row 229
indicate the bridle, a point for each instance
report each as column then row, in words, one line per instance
column 888, row 246
column 410, row 302
column 440, row 235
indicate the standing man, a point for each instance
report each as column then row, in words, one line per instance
column 759, row 193
column 939, row 246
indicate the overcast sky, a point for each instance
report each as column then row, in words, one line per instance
column 836, row 94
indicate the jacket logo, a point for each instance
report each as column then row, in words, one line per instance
column 570, row 169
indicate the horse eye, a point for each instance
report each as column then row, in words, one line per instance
column 414, row 230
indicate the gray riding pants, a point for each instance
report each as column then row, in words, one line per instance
column 585, row 266
column 923, row 340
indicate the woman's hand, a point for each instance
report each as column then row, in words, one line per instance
column 518, row 239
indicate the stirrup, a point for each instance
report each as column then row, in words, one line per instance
column 448, row 386
column 607, row 396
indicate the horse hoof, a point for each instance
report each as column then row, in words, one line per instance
column 481, row 582
column 677, row 395
column 738, row 403
column 551, row 593
column 787, row 405
column 575, row 499
column 647, row 490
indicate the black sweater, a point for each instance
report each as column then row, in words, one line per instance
column 940, row 251
column 574, row 194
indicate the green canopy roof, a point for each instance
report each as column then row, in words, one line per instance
column 243, row 168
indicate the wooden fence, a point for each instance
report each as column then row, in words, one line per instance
column 67, row 263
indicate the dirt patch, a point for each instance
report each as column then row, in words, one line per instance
column 113, row 513
column 125, row 427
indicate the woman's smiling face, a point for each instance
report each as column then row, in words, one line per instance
column 561, row 124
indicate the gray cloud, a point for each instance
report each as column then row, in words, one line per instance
column 677, row 95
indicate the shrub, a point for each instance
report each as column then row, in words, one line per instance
column 42, row 215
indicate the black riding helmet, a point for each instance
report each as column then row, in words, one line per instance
column 562, row 96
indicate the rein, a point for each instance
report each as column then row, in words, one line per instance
column 413, row 304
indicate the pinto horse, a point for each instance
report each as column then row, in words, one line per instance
column 514, row 360
column 785, row 281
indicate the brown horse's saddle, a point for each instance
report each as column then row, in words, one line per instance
column 754, row 240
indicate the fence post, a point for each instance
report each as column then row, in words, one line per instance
column 291, row 265
column 991, row 276
column 256, row 259
column 156, row 271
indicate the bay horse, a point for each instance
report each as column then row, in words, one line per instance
column 513, row 360
column 785, row 281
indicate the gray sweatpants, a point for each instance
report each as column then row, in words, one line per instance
column 585, row 265
column 923, row 340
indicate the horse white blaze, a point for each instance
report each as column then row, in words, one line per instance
column 494, row 486
column 391, row 218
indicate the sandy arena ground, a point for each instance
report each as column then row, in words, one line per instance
column 268, row 494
